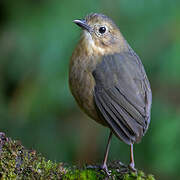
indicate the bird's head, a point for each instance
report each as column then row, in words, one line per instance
column 100, row 34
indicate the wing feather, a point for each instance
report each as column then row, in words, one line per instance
column 123, row 96
column 104, row 109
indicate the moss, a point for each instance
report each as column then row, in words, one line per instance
column 116, row 174
column 16, row 162
column 138, row 176
column 81, row 175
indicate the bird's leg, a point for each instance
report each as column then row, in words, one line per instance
column 104, row 166
column 132, row 164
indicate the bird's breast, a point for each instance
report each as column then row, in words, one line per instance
column 82, row 83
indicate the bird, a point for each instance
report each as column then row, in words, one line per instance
column 109, row 82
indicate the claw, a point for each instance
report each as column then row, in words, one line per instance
column 105, row 169
column 132, row 167
column 98, row 168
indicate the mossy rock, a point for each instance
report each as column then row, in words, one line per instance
column 16, row 162
column 119, row 173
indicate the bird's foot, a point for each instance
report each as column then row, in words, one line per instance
column 132, row 167
column 105, row 169
column 102, row 167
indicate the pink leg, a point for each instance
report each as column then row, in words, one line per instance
column 104, row 166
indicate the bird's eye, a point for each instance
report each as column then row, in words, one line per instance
column 102, row 30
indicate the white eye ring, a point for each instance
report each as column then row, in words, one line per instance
column 100, row 30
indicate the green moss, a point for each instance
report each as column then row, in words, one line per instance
column 86, row 174
column 80, row 175
column 16, row 162
column 138, row 176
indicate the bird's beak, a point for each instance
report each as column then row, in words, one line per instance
column 83, row 24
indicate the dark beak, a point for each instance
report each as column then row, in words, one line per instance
column 83, row 24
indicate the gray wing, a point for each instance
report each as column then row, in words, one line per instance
column 123, row 96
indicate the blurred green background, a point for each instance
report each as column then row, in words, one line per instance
column 37, row 38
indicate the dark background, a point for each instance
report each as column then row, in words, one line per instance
column 37, row 38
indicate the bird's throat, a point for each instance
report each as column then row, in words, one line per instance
column 90, row 45
column 93, row 47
